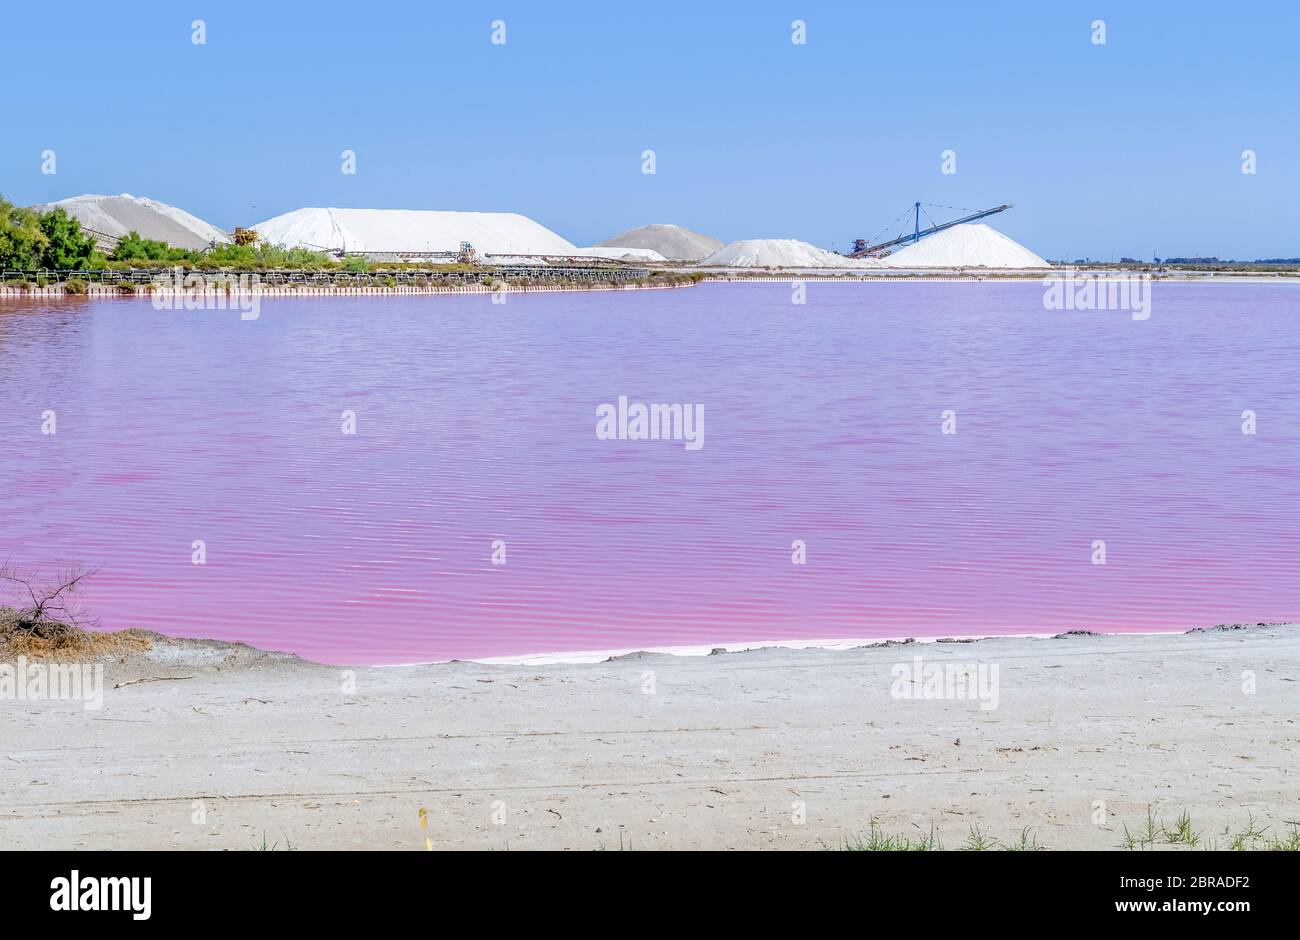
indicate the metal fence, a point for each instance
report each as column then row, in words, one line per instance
column 507, row 273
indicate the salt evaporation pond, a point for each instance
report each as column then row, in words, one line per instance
column 476, row 422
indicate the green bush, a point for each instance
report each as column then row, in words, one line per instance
column 22, row 243
column 131, row 247
column 67, row 248
column 264, row 256
column 54, row 239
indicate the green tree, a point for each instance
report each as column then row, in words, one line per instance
column 67, row 247
column 131, row 247
column 22, row 243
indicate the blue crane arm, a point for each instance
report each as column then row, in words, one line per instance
column 931, row 230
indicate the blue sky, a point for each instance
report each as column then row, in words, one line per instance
column 1129, row 148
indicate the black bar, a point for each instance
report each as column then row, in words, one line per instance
column 937, row 891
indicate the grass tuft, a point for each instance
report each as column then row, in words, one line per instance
column 977, row 841
column 274, row 846
column 1183, row 833
column 1027, row 842
column 878, row 841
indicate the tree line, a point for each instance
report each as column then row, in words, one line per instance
column 53, row 240
column 30, row 240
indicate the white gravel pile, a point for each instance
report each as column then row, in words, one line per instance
column 117, row 215
column 966, row 246
column 781, row 253
column 671, row 242
column 408, row 230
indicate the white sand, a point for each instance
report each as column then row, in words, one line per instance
column 966, row 246
column 117, row 215
column 396, row 230
column 781, row 253
column 662, row 751
column 671, row 241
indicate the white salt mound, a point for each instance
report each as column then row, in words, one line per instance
column 966, row 246
column 672, row 242
column 781, row 253
column 622, row 254
column 117, row 215
column 398, row 230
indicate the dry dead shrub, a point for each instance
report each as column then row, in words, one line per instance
column 43, row 619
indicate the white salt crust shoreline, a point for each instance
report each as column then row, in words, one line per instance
column 708, row 649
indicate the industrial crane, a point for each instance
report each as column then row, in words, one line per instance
column 918, row 233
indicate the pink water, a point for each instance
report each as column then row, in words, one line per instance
column 476, row 422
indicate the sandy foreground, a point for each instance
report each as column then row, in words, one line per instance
column 213, row 746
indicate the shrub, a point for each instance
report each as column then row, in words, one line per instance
column 21, row 240
column 131, row 247
column 67, row 248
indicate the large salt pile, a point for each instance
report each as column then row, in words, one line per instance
column 623, row 254
column 379, row 231
column 671, row 241
column 114, row 216
column 781, row 253
column 966, row 246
